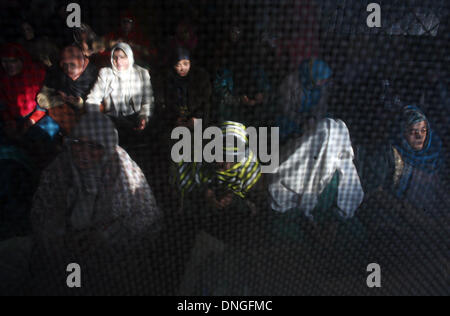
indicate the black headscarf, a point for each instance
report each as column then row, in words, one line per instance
column 179, row 86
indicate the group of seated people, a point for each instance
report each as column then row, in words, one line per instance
column 65, row 131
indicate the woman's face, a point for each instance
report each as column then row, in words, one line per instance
column 69, row 68
column 28, row 31
column 86, row 154
column 224, row 166
column 183, row 67
column 416, row 135
column 127, row 25
column 121, row 61
column 12, row 66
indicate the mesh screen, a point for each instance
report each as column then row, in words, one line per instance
column 338, row 113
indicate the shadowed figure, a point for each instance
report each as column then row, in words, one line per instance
column 94, row 206
column 406, row 208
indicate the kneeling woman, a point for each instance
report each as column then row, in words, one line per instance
column 125, row 91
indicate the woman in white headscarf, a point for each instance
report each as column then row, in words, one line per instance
column 124, row 90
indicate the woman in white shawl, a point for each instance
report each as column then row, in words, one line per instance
column 94, row 187
column 317, row 187
column 123, row 91
column 93, row 207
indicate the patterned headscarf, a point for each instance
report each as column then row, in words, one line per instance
column 99, row 130
column 246, row 172
column 240, row 178
column 122, row 205
column 236, row 132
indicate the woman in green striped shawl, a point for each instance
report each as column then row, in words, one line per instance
column 221, row 192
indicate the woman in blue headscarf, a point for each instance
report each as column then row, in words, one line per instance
column 407, row 197
column 303, row 96
column 419, row 148
column 412, row 162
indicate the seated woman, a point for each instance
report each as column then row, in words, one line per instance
column 317, row 190
column 93, row 46
column 303, row 94
column 185, row 37
column 93, row 200
column 298, row 36
column 184, row 92
column 407, row 193
column 67, row 86
column 224, row 193
column 125, row 91
column 40, row 47
column 241, row 86
column 21, row 81
column 130, row 33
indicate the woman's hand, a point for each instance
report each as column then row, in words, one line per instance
column 69, row 99
column 226, row 201
column 210, row 197
column 259, row 98
column 219, row 205
column 142, row 124
column 247, row 101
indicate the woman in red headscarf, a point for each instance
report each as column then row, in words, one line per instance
column 20, row 82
